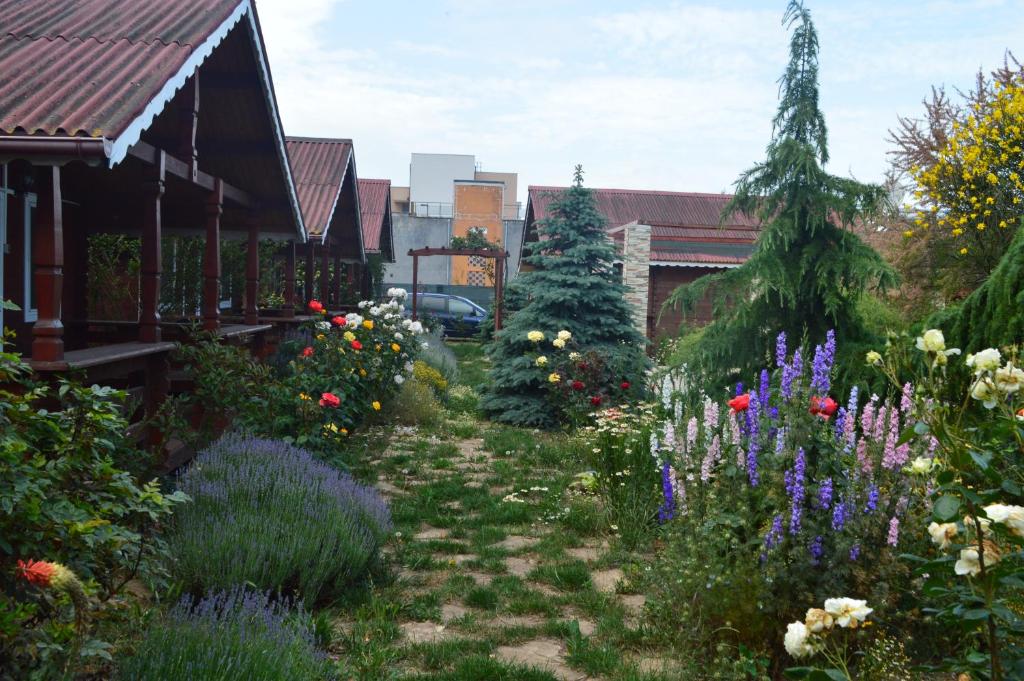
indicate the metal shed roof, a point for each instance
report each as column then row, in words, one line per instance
column 319, row 167
column 375, row 204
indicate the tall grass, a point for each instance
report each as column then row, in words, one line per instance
column 267, row 514
column 234, row 634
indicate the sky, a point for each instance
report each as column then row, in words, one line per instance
column 674, row 96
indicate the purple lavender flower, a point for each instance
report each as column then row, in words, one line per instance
column 753, row 444
column 817, row 550
column 774, row 536
column 839, row 514
column 872, row 504
column 780, row 350
column 825, row 494
column 668, row 509
column 855, row 552
column 795, row 488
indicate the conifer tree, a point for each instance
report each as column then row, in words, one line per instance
column 807, row 271
column 573, row 286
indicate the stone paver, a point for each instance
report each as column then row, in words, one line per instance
column 452, row 611
column 431, row 533
column 543, row 653
column 585, row 553
column 423, row 632
column 387, row 489
column 516, row 543
column 481, row 578
column 520, row 567
column 605, row 580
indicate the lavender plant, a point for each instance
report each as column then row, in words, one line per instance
column 234, row 634
column 268, row 514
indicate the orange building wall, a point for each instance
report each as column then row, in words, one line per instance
column 476, row 205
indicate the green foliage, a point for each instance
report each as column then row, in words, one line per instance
column 573, row 287
column 416, row 405
column 808, row 271
column 994, row 314
column 430, row 377
column 115, row 261
column 463, row 400
column 234, row 635
column 65, row 497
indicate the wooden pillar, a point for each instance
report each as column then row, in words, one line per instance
column 153, row 191
column 336, row 281
column 211, row 258
column 252, row 272
column 48, row 268
column 325, row 271
column 350, row 274
column 189, row 114
column 289, row 279
column 307, row 284
column 499, row 290
column 415, row 281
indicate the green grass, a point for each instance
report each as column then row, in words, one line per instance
column 567, row 576
column 473, row 363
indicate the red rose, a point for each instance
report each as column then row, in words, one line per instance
column 577, row 385
column 740, row 402
column 338, row 321
column 307, row 351
column 330, row 400
column 583, row 366
column 824, row 407
column 624, row 385
column 596, row 400
column 356, row 345
column 315, row 306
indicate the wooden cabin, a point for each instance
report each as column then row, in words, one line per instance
column 146, row 119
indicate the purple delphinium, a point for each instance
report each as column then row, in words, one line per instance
column 780, row 350
column 668, row 508
column 817, row 549
column 855, row 552
column 790, row 373
column 839, row 427
column 907, row 400
column 753, row 444
column 795, row 488
column 825, row 493
column 872, row 503
column 764, row 391
column 710, row 459
column 839, row 514
column 824, row 356
column 774, row 536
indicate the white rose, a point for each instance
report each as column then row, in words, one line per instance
column 1011, row 516
column 986, row 360
column 558, row 343
column 847, row 612
column 399, row 379
column 985, row 392
column 564, row 335
column 817, row 620
column 398, row 336
column 1009, row 378
column 942, row 534
column 416, row 328
column 323, row 326
column 931, row 341
column 970, row 563
column 796, row 640
column 922, row 465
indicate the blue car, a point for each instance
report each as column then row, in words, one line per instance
column 459, row 316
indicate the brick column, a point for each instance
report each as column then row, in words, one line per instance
column 636, row 271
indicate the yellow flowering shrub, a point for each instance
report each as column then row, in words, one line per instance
column 973, row 188
column 429, row 376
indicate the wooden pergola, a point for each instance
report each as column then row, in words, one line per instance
column 499, row 258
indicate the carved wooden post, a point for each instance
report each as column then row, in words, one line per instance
column 252, row 272
column 189, row 114
column 48, row 268
column 325, row 273
column 307, row 284
column 152, row 264
column 415, row 281
column 211, row 258
column 289, row 279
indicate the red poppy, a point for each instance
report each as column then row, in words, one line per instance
column 36, row 572
column 577, row 385
column 356, row 345
column 823, row 407
column 740, row 402
column 330, row 400
column 338, row 321
column 307, row 351
column 624, row 385
column 315, row 306
column 596, row 400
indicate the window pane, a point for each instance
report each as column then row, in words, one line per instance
column 432, row 304
column 458, row 307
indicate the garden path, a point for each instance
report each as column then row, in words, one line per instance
column 499, row 569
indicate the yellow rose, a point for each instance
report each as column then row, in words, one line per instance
column 349, row 336
column 541, row 361
column 321, row 337
column 376, row 405
column 362, row 372
column 564, row 335
column 558, row 343
column 874, row 358
column 535, row 336
column 368, row 324
column 395, row 347
column 554, row 378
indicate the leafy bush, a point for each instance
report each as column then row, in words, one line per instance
column 65, row 498
column 235, row 634
column 440, row 356
column 416, row 405
column 430, row 377
column 267, row 514
column 462, row 399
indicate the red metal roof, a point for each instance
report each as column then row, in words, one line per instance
column 622, row 206
column 374, row 201
column 90, row 67
column 696, row 258
column 319, row 167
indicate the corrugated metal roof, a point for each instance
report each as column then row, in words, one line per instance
column 708, row 259
column 622, row 206
column 90, row 67
column 374, row 200
column 319, row 167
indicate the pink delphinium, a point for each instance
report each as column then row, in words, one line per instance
column 894, row 532
column 864, row 459
column 867, row 417
column 879, row 431
column 710, row 459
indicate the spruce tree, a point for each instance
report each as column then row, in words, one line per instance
column 808, row 270
column 573, row 286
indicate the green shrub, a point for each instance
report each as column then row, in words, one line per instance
column 431, row 377
column 230, row 635
column 267, row 514
column 416, row 405
column 463, row 400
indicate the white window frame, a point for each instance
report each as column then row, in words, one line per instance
column 30, row 206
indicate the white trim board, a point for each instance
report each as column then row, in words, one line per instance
column 710, row 266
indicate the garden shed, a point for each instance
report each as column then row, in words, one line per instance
column 142, row 119
column 665, row 239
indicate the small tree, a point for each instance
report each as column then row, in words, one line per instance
column 808, row 270
column 573, row 287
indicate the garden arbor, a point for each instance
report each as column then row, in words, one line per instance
column 499, row 258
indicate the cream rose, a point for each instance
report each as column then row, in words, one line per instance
column 986, row 360
column 942, row 534
column 847, row 612
column 931, row 341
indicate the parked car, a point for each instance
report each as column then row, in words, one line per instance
column 459, row 316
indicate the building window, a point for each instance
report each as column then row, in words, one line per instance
column 29, row 303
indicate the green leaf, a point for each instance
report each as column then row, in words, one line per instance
column 975, row 614
column 946, row 508
column 921, row 428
